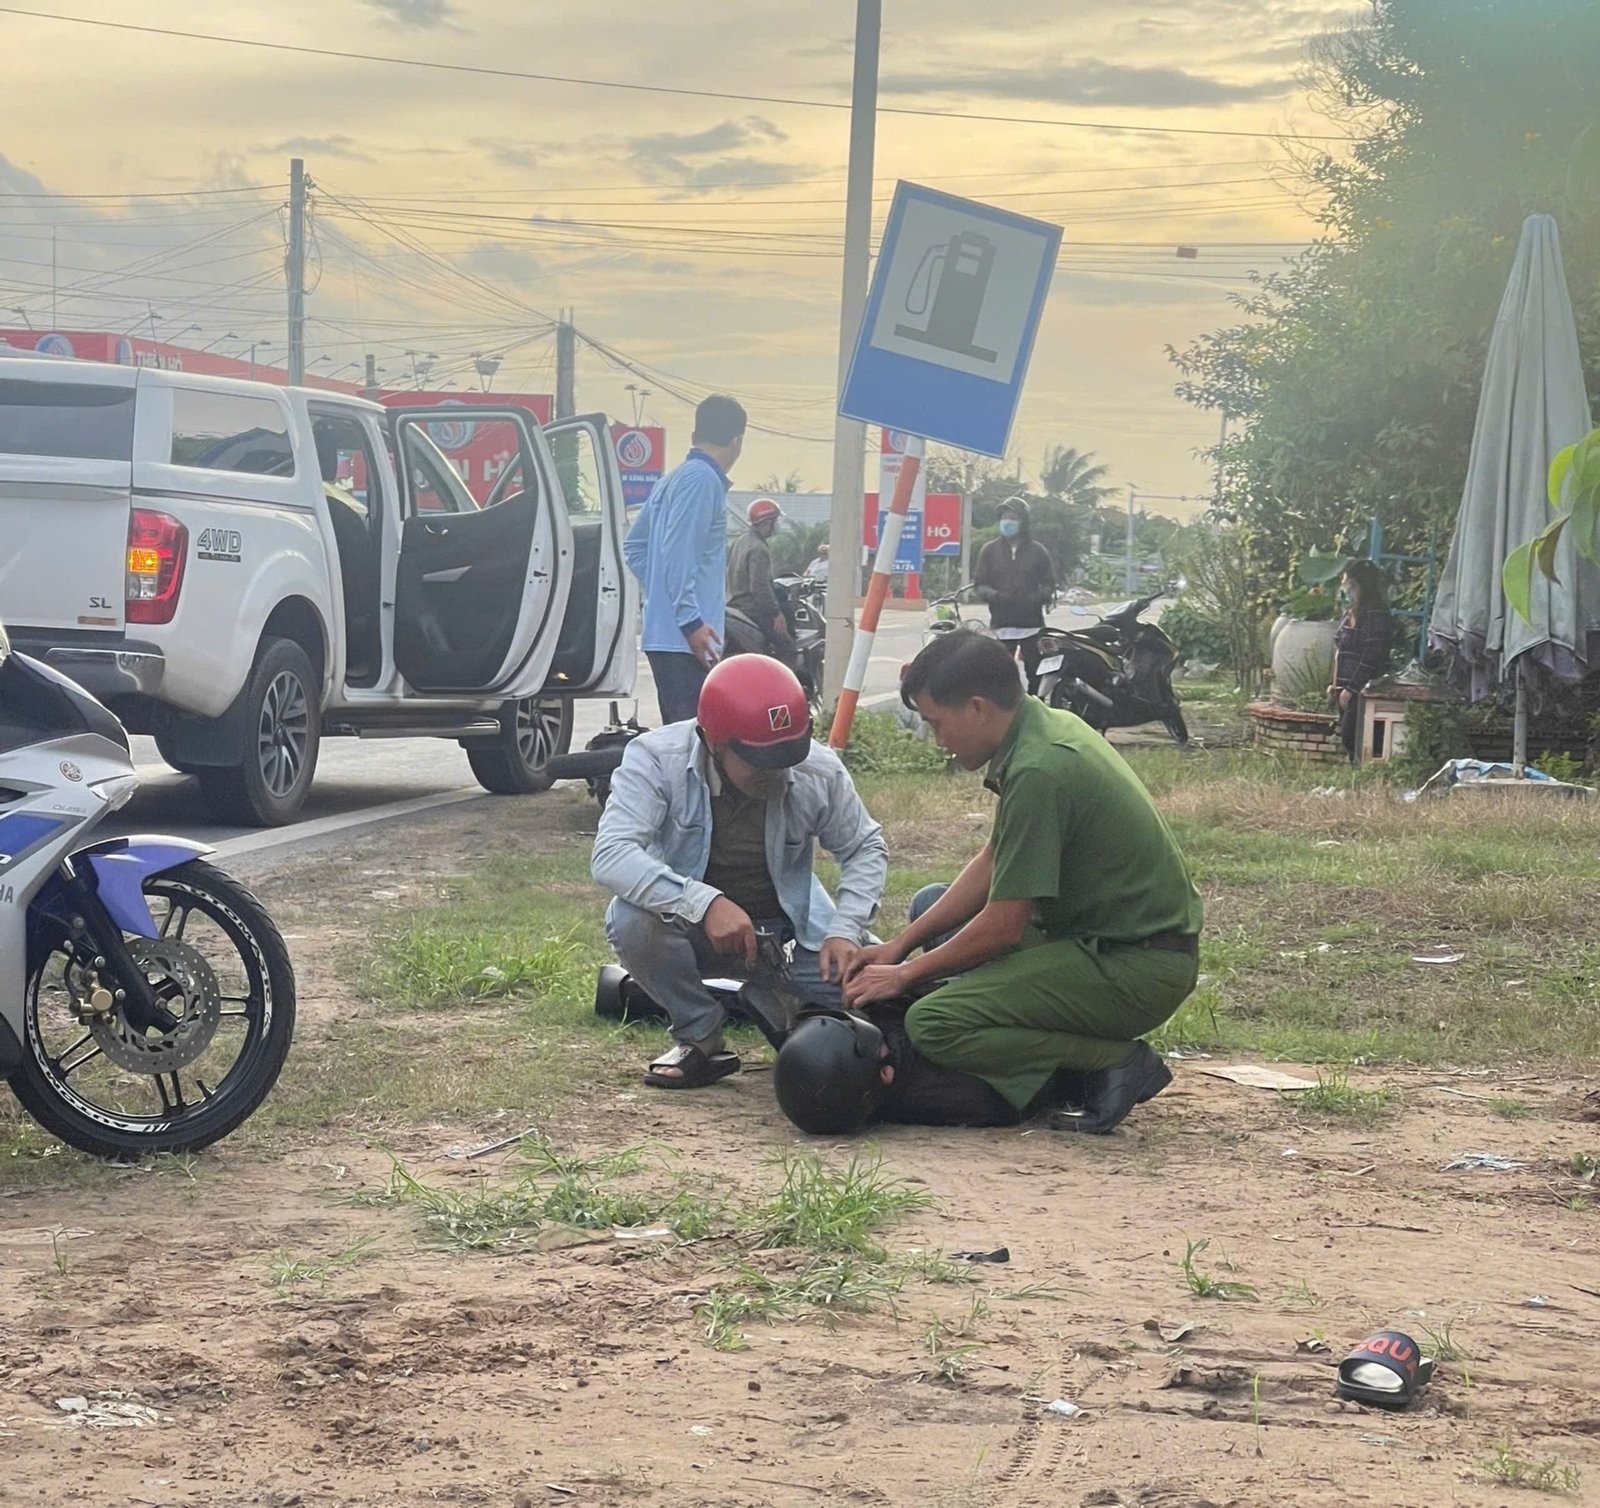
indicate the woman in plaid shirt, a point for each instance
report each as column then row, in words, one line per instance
column 1360, row 644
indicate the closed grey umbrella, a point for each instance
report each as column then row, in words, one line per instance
column 1533, row 405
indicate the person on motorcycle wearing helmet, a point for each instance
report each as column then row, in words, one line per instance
column 1017, row 578
column 1075, row 928
column 750, row 577
column 708, row 839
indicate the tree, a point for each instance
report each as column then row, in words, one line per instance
column 1352, row 377
column 772, row 483
column 795, row 548
column 1074, row 476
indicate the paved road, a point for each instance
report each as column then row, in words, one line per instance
column 360, row 780
column 361, row 776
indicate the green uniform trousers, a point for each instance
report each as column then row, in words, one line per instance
column 1050, row 1004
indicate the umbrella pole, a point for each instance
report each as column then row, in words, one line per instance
column 1519, row 728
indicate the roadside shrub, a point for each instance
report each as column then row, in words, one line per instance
column 1197, row 636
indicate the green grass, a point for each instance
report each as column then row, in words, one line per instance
column 1509, row 1109
column 1442, row 1344
column 823, row 1209
column 1334, row 1095
column 286, row 1272
column 552, row 1189
column 1549, row 1475
column 1202, row 1284
column 824, row 1288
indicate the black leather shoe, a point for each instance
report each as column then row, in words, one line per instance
column 1112, row 1092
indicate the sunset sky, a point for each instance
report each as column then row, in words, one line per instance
column 701, row 237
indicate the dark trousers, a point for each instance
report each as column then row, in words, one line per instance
column 1350, row 724
column 678, row 679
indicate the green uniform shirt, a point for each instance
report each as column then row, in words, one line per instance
column 1077, row 834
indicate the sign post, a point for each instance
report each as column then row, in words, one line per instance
column 941, row 354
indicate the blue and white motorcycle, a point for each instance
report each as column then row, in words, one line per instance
column 146, row 999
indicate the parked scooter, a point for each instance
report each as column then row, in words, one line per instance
column 146, row 999
column 599, row 758
column 802, row 602
column 1117, row 674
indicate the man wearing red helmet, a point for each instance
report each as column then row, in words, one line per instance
column 750, row 577
column 709, row 836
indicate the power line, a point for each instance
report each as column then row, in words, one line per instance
column 483, row 70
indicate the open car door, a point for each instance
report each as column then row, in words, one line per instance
column 597, row 653
column 480, row 591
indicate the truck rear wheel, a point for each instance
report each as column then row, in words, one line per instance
column 516, row 762
column 282, row 734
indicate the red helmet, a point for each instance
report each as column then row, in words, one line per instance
column 756, row 706
column 761, row 510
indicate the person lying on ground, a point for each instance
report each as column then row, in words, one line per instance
column 708, row 838
column 1076, row 926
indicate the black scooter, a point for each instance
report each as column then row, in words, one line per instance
column 1117, row 674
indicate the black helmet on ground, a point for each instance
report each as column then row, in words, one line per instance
column 827, row 1078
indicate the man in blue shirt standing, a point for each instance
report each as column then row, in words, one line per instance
column 678, row 548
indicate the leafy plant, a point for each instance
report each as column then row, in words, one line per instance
column 1559, row 766
column 1203, row 1285
column 1575, row 478
column 1313, row 604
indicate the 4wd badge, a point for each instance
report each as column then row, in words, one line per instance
column 220, row 544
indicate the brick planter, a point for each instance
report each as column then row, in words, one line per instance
column 1309, row 736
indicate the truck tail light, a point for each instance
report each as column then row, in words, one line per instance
column 157, row 547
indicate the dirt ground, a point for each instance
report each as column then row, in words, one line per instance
column 421, row 1375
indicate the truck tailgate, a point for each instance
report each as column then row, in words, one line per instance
column 66, row 476
column 65, row 556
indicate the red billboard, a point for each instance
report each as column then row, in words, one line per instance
column 941, row 523
column 476, row 451
column 134, row 351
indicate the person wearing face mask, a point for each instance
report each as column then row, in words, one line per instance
column 708, row 840
column 1017, row 578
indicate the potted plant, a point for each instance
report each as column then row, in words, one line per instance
column 1302, row 636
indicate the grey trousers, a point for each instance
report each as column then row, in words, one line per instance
column 671, row 959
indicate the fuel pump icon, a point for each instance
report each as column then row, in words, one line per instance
column 949, row 286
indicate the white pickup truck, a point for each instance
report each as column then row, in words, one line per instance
column 242, row 570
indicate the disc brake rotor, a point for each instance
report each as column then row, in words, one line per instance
column 186, row 987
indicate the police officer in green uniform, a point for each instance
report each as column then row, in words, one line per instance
column 1072, row 933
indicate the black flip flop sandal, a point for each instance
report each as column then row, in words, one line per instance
column 1386, row 1370
column 695, row 1068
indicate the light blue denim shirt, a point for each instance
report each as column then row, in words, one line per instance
column 678, row 548
column 655, row 838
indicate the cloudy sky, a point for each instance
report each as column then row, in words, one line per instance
column 697, row 238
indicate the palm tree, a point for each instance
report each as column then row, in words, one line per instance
column 1074, row 476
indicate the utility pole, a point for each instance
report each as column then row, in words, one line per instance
column 566, row 367
column 1131, row 577
column 372, row 377
column 295, row 269
column 849, row 435
column 54, row 321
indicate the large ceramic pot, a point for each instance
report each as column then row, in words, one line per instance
column 1302, row 659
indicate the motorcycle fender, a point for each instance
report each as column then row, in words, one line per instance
column 120, row 866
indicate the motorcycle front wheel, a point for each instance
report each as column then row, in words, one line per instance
column 225, row 985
